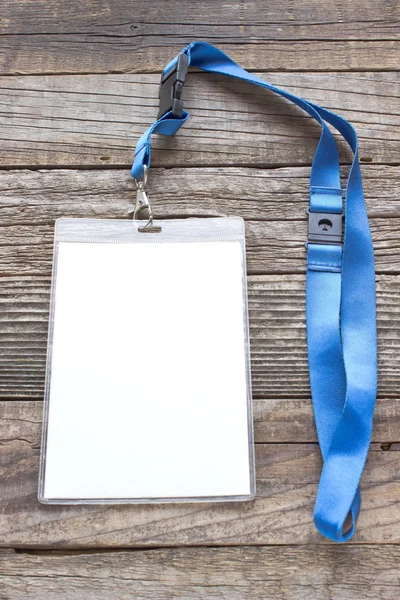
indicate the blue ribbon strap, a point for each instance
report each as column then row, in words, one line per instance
column 340, row 301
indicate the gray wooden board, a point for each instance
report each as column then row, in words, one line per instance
column 96, row 120
column 277, row 335
column 346, row 57
column 243, row 573
column 271, row 246
column 34, row 197
column 129, row 35
column 287, row 478
column 272, row 201
column 276, row 420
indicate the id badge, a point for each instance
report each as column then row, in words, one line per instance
column 148, row 394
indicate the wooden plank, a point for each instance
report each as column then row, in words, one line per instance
column 31, row 197
column 282, row 420
column 279, row 420
column 128, row 35
column 277, row 330
column 125, row 35
column 256, row 573
column 273, row 202
column 376, row 21
column 272, row 246
column 287, row 477
column 93, row 120
column 33, row 200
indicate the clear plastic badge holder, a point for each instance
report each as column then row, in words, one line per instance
column 148, row 395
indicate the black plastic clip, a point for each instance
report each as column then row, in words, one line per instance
column 171, row 87
column 325, row 228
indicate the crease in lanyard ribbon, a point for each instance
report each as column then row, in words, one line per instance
column 340, row 291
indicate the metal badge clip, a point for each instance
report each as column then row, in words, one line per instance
column 143, row 205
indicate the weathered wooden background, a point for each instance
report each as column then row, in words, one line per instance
column 79, row 83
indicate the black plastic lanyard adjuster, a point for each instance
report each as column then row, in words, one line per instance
column 325, row 228
column 171, row 86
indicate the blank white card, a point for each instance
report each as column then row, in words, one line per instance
column 148, row 375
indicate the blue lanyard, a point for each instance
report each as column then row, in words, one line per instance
column 340, row 291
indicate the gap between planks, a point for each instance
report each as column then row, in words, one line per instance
column 159, row 71
column 160, row 165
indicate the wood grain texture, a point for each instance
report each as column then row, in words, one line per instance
column 272, row 247
column 276, row 420
column 93, row 120
column 277, row 332
column 272, row 201
column 287, row 477
column 129, row 35
column 346, row 57
column 30, row 198
column 243, row 573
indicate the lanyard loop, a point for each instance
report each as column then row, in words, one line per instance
column 340, row 290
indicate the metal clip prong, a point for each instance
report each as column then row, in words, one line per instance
column 143, row 204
